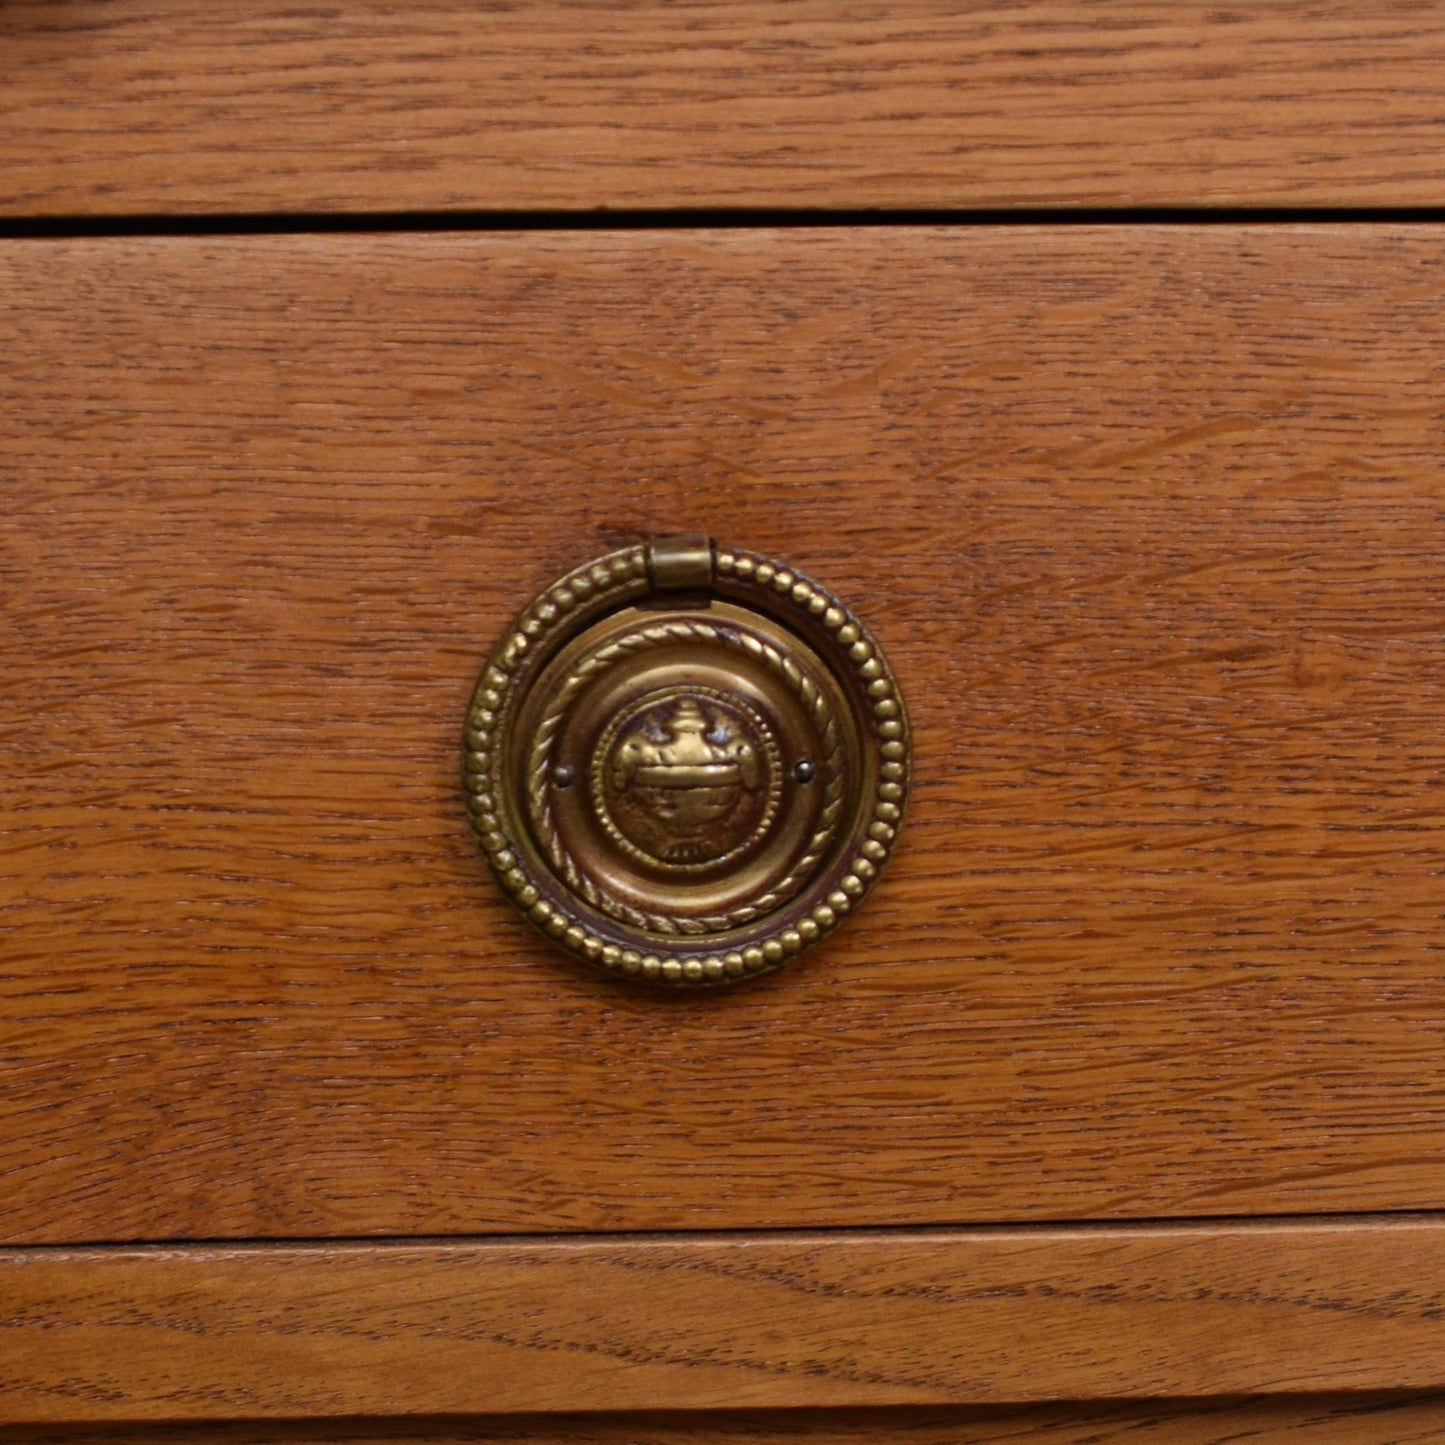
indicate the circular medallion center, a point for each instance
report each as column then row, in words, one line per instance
column 687, row 777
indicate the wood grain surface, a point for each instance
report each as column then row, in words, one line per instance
column 1148, row 519
column 698, row 1323
column 1357, row 1419
column 129, row 106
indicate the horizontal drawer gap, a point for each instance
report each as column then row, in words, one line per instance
column 1370, row 1418
column 1181, row 1224
column 281, row 223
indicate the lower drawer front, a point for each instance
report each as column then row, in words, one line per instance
column 1148, row 519
column 751, row 1320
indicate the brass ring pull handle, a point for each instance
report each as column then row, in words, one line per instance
column 686, row 763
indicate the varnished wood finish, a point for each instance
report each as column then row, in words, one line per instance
column 125, row 106
column 1396, row 1419
column 1148, row 520
column 759, row 1321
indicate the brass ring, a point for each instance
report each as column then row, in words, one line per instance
column 686, row 763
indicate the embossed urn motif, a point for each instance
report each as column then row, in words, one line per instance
column 686, row 779
column 686, row 764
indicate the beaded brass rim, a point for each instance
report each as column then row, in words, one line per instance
column 686, row 763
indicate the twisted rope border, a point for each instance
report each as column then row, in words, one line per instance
column 539, row 795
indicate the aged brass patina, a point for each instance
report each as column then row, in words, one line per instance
column 686, row 763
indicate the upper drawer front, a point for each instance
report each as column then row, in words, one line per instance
column 1148, row 521
column 113, row 107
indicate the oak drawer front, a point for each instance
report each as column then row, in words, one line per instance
column 1148, row 520
column 132, row 107
column 756, row 1320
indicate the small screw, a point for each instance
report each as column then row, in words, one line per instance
column 804, row 772
column 562, row 775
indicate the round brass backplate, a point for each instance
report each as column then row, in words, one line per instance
column 686, row 763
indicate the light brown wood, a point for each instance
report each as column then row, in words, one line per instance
column 1395, row 1419
column 697, row 1323
column 126, row 106
column 1149, row 521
